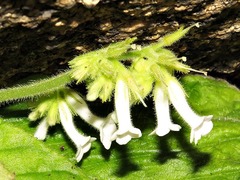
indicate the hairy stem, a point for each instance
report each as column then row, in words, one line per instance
column 36, row 88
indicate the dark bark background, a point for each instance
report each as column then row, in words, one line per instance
column 42, row 36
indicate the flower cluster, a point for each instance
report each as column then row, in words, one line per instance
column 60, row 107
column 151, row 71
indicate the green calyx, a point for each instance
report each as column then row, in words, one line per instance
column 153, row 63
column 48, row 106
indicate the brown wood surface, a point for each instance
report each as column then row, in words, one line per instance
column 42, row 36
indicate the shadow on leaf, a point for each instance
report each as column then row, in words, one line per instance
column 126, row 165
column 197, row 158
column 106, row 154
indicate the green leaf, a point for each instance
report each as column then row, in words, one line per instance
column 216, row 156
column 211, row 96
column 29, row 158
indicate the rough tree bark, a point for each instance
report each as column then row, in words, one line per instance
column 42, row 36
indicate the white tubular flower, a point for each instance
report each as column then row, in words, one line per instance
column 106, row 126
column 200, row 125
column 126, row 131
column 83, row 143
column 164, row 123
column 42, row 129
column 107, row 130
column 203, row 129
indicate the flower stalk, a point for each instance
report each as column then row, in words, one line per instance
column 36, row 88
